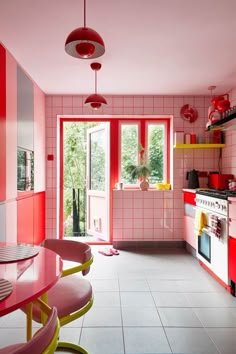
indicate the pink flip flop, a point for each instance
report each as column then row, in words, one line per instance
column 114, row 251
column 106, row 252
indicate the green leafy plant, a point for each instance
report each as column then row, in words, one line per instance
column 141, row 170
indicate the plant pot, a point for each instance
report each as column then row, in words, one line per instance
column 144, row 185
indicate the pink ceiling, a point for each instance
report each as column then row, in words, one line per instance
column 152, row 46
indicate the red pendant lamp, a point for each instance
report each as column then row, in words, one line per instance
column 84, row 42
column 95, row 100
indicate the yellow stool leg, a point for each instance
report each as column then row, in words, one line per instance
column 29, row 320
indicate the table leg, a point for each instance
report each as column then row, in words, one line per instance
column 29, row 319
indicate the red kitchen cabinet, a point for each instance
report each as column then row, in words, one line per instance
column 189, row 197
column 232, row 258
column 232, row 240
column 189, row 219
column 39, row 218
column 31, row 219
column 25, row 220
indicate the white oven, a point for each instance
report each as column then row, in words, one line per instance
column 212, row 235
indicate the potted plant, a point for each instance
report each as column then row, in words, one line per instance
column 141, row 171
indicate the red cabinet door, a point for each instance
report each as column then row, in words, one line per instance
column 190, row 198
column 31, row 219
column 232, row 258
column 39, row 218
column 25, row 220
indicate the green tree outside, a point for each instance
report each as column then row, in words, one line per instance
column 75, row 143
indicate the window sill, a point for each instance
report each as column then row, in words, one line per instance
column 138, row 189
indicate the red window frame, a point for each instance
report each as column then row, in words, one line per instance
column 114, row 149
column 142, row 124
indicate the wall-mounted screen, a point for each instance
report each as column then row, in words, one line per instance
column 25, row 170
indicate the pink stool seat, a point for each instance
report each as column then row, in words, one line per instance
column 75, row 293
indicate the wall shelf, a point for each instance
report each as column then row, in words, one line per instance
column 198, row 146
column 226, row 123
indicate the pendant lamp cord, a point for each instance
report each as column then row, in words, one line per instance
column 84, row 13
column 95, row 81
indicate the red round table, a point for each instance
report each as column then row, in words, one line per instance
column 30, row 278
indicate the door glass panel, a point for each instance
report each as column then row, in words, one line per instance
column 204, row 246
column 97, row 162
column 129, row 150
column 156, row 151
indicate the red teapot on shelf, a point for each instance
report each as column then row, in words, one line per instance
column 219, row 105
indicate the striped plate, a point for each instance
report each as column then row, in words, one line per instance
column 5, row 288
column 13, row 253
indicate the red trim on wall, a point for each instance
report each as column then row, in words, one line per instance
column 114, row 167
column 61, row 212
column 114, row 155
column 143, row 133
column 2, row 123
column 113, row 163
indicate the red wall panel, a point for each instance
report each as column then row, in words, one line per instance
column 2, row 123
column 31, row 219
column 25, row 220
column 39, row 218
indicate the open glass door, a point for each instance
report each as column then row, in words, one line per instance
column 98, row 178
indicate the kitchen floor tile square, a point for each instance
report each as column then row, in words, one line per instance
column 140, row 316
column 190, row 341
column 178, row 317
column 102, row 317
column 105, row 284
column 133, row 285
column 103, row 298
column 216, row 317
column 142, row 340
column 163, row 299
column 103, row 340
column 210, row 300
column 136, row 299
column 224, row 339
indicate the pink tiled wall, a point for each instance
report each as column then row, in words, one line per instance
column 149, row 216
column 160, row 213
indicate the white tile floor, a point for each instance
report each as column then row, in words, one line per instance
column 148, row 302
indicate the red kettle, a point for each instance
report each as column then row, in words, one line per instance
column 221, row 103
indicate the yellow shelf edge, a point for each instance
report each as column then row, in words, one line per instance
column 198, row 146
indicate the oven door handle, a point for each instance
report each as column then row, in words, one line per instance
column 207, row 230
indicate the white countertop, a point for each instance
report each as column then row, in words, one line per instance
column 189, row 190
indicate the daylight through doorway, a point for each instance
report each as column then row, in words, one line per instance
column 81, row 199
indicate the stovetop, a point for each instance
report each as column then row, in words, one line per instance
column 217, row 193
